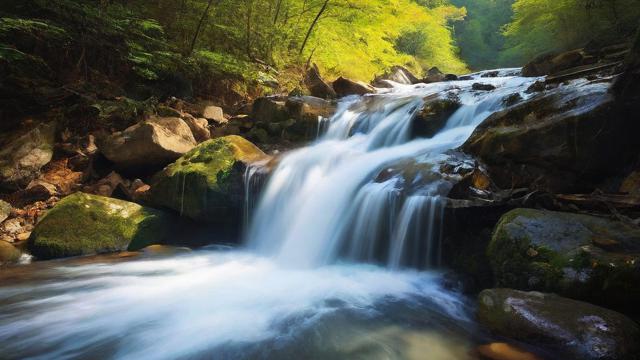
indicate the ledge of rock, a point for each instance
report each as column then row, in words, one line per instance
column 83, row 224
column 574, row 329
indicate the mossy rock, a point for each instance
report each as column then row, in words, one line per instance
column 579, row 256
column 206, row 184
column 8, row 253
column 572, row 329
column 83, row 224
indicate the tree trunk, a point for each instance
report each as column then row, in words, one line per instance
column 313, row 24
column 199, row 28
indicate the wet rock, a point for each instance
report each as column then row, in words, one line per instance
column 149, row 144
column 206, row 184
column 345, row 87
column 434, row 115
column 316, row 85
column 433, row 75
column 482, row 87
column 306, row 111
column 574, row 329
column 5, row 210
column 552, row 63
column 83, row 224
column 450, row 77
column 564, row 140
column 21, row 158
column 537, row 86
column 397, row 74
column 579, row 256
column 8, row 253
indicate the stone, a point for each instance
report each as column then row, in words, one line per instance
column 572, row 329
column 214, row 113
column 345, row 87
column 433, row 75
column 397, row 74
column 552, row 63
column 149, row 144
column 505, row 351
column 631, row 184
column 579, row 256
column 84, row 224
column 434, row 115
column 206, row 184
column 5, row 210
column 482, row 87
column 8, row 253
column 199, row 128
column 316, row 85
column 21, row 158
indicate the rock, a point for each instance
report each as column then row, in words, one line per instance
column 482, row 87
column 149, row 144
column 574, row 329
column 434, row 115
column 59, row 174
column 552, row 63
column 83, row 224
column 537, row 86
column 199, row 127
column 214, row 113
column 306, row 111
column 166, row 111
column 433, row 75
column 5, row 210
column 397, row 74
column 22, row 158
column 8, row 253
column 567, row 139
column 43, row 187
column 451, row 77
column 206, row 184
column 270, row 110
column 316, row 85
column 579, row 256
column 631, row 184
column 504, row 351
column 345, row 87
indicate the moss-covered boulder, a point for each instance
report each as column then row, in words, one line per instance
column 83, row 224
column 579, row 256
column 206, row 184
column 8, row 253
column 573, row 329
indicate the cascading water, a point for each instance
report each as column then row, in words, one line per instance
column 322, row 202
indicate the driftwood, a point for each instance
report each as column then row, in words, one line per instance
column 618, row 201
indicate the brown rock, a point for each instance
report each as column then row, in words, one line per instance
column 345, row 87
column 316, row 85
column 199, row 127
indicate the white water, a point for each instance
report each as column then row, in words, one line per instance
column 301, row 302
column 321, row 201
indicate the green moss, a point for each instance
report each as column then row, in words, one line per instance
column 205, row 183
column 84, row 224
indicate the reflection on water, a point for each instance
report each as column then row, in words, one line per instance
column 227, row 304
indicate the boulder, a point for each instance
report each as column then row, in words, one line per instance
column 149, row 144
column 572, row 329
column 270, row 110
column 433, row 75
column 552, row 63
column 21, row 158
column 214, row 113
column 345, row 87
column 631, row 184
column 316, row 85
column 566, row 139
column 199, row 127
column 8, row 253
column 397, row 74
column 206, row 184
column 579, row 256
column 307, row 111
column 434, row 115
column 83, row 224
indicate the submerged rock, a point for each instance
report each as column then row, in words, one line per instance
column 22, row 158
column 152, row 143
column 574, row 329
column 83, row 224
column 578, row 256
column 206, row 184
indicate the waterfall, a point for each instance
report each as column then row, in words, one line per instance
column 324, row 202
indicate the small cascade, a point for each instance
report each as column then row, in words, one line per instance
column 328, row 201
